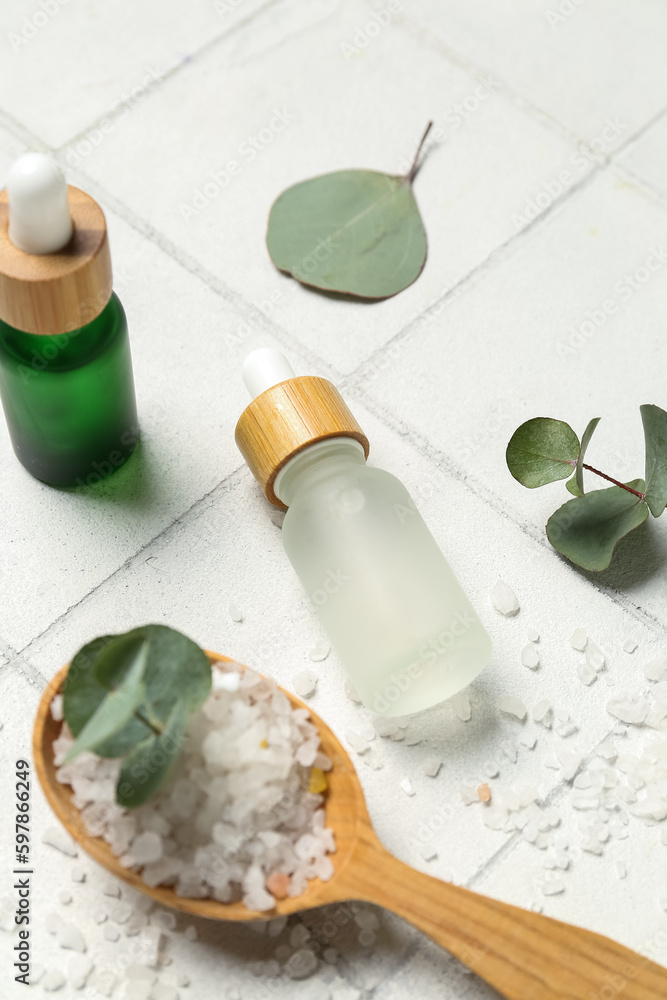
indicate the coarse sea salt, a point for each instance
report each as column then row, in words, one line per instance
column 504, row 599
column 237, row 809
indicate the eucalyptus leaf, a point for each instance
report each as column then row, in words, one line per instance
column 587, row 530
column 148, row 766
column 655, row 437
column 541, row 451
column 117, row 708
column 352, row 231
column 572, row 487
column 585, row 441
column 176, row 669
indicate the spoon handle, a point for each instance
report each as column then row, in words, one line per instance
column 523, row 955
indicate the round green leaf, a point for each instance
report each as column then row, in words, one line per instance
column 542, row 451
column 587, row 530
column 149, row 765
column 572, row 487
column 352, row 231
column 655, row 436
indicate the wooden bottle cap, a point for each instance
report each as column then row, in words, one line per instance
column 57, row 292
column 287, row 418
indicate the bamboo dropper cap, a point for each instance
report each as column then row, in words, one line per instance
column 55, row 270
column 288, row 413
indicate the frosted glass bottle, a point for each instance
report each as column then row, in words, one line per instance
column 392, row 607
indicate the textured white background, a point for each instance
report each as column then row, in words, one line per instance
column 439, row 377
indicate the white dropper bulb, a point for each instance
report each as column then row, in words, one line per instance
column 39, row 217
column 265, row 368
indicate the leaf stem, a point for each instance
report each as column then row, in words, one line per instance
column 609, row 479
column 147, row 722
column 410, row 176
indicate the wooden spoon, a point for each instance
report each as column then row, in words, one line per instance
column 523, row 955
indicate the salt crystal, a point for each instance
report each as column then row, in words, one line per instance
column 461, row 706
column 183, row 979
column 56, row 708
column 512, row 706
column 630, row 645
column 553, row 888
column 431, row 766
column 52, row 923
column 304, row 683
column 121, row 912
column 656, row 670
column 145, row 949
column 406, row 786
column 111, row 933
column 504, row 599
column 412, row 739
column 111, row 889
column 542, row 712
column 428, row 852
column 530, row 657
column 491, row 769
column 469, row 794
column 71, row 937
column 53, row 980
column 103, row 981
column 55, row 837
column 164, row 919
column 78, row 875
column 528, row 741
column 164, row 959
column 65, row 898
column 578, row 639
column 146, row 848
column 352, row 693
column 510, row 750
column 565, row 729
column 484, row 793
column 356, row 740
column 79, row 968
column 530, row 833
column 100, row 917
column 587, row 674
column 532, row 635
column 224, row 680
column 235, row 613
column 385, row 727
column 628, row 708
column 621, row 869
column 595, row 657
column 319, row 651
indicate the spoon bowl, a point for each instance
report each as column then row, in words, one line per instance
column 523, row 955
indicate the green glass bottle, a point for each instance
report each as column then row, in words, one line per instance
column 66, row 380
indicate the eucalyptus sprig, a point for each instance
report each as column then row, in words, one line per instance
column 587, row 529
column 130, row 696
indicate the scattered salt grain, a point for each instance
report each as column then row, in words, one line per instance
column 164, row 959
column 137, row 989
column 52, row 923
column 53, row 980
column 630, row 645
column 78, row 970
column 532, row 635
column 235, row 613
column 461, row 706
column 587, row 674
column 543, row 713
column 111, row 889
column 512, row 706
column 431, row 766
column 621, row 869
column 491, row 769
column 111, row 933
column 484, row 793
column 628, row 708
column 55, row 837
column 530, row 657
column 65, row 898
column 146, row 848
column 529, row 741
column 57, row 708
column 183, row 980
column 191, row 933
column 164, row 919
column 304, row 683
column 385, row 727
column 70, row 937
column 319, row 652
column 504, row 599
column 100, row 917
column 428, row 852
column 406, row 786
column 554, row 887
column 356, row 740
column 352, row 693
column 656, row 670
column 78, row 875
column 595, row 657
column 578, row 639
column 121, row 912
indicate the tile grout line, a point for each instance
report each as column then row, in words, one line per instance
column 183, row 519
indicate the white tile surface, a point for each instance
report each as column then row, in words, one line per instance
column 573, row 61
column 438, row 378
column 482, row 173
